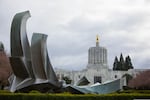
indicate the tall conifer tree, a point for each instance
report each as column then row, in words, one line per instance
column 121, row 63
column 115, row 65
column 128, row 63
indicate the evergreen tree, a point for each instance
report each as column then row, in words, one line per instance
column 67, row 80
column 128, row 63
column 115, row 65
column 121, row 63
column 1, row 46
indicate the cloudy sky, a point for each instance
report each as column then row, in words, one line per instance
column 72, row 25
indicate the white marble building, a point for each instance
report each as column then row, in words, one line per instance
column 97, row 69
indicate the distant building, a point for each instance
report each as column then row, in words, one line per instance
column 97, row 69
column 97, row 56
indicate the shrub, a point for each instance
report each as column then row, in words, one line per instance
column 5, row 91
column 135, row 91
column 115, row 96
column 34, row 91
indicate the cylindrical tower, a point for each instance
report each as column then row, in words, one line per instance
column 97, row 56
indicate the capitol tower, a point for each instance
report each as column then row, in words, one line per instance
column 97, row 56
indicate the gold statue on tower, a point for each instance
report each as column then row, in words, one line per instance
column 97, row 40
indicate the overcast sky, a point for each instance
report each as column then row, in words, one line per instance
column 72, row 25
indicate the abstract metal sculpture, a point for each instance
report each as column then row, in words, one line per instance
column 32, row 68
column 41, row 65
column 20, row 52
column 31, row 65
column 83, row 81
column 105, row 88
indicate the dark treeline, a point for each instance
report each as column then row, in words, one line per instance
column 122, row 65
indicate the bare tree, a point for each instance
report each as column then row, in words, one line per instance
column 141, row 81
column 5, row 69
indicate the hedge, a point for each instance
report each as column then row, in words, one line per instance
column 135, row 91
column 40, row 96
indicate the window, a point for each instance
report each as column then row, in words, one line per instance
column 97, row 79
column 115, row 76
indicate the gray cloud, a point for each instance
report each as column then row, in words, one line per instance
column 118, row 22
column 71, row 27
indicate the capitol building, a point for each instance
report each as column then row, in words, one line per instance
column 97, row 69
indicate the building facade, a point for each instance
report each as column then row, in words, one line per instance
column 97, row 69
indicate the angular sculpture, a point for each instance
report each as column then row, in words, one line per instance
column 83, row 81
column 20, row 52
column 41, row 65
column 31, row 66
column 105, row 88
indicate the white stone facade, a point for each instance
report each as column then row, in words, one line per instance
column 97, row 68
